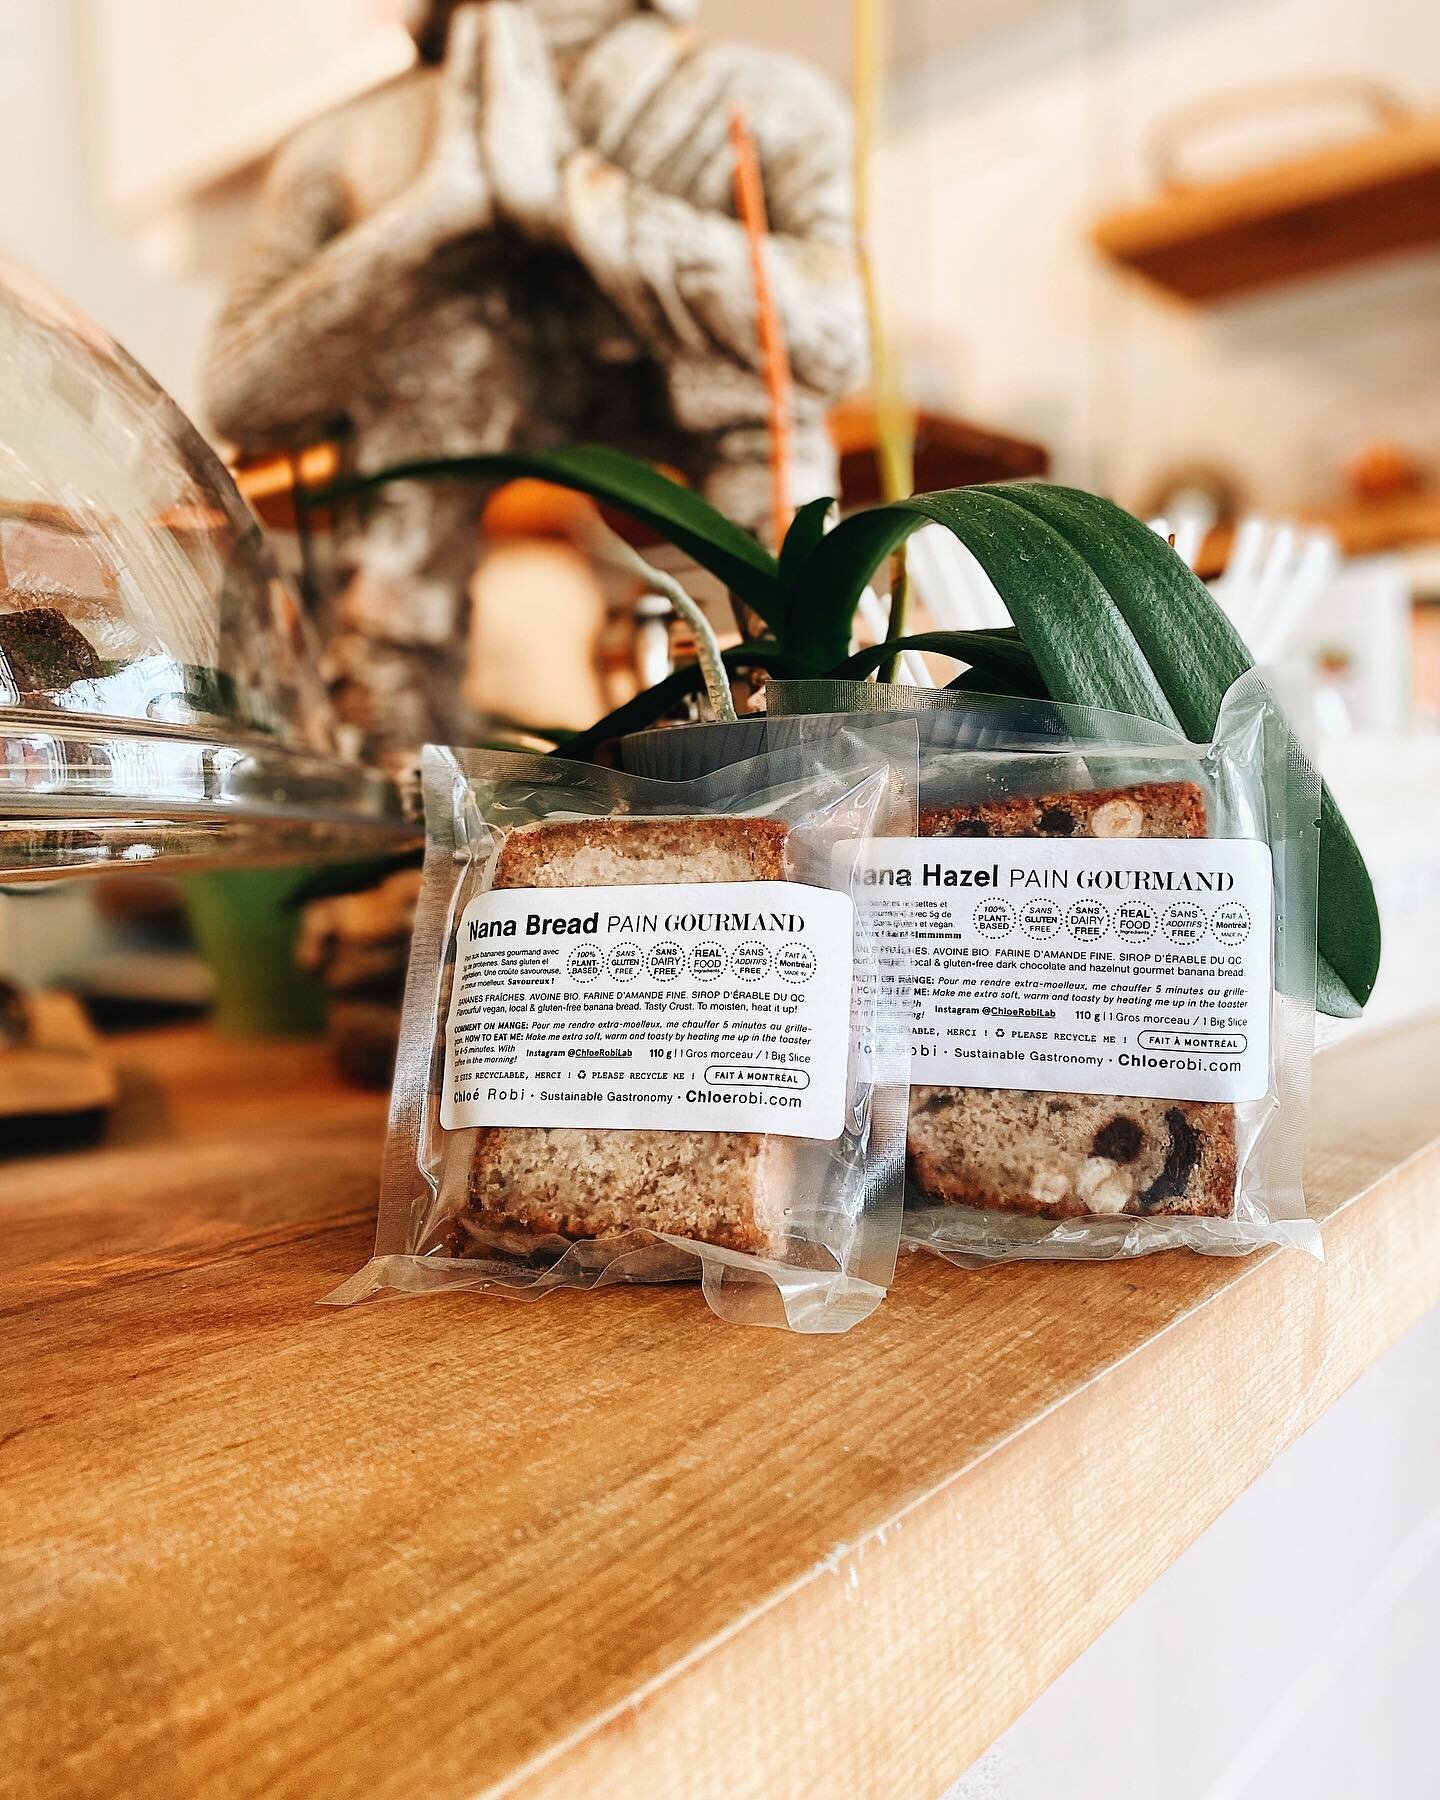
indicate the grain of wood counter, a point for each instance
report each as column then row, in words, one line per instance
column 601, row 1545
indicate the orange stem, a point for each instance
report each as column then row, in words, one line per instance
column 774, row 357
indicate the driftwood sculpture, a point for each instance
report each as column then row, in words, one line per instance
column 530, row 241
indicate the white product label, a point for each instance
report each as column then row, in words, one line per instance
column 696, row 1007
column 1136, row 966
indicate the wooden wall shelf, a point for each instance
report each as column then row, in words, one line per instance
column 1368, row 197
column 949, row 452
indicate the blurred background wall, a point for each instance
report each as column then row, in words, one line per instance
column 1010, row 128
column 1007, row 145
column 144, row 278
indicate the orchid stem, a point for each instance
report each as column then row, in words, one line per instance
column 608, row 546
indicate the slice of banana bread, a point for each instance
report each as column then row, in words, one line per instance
column 1062, row 1156
column 726, row 1187
column 1069, row 1155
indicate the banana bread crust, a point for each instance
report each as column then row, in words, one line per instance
column 602, row 852
column 1155, row 809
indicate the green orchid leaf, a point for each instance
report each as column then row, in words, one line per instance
column 1062, row 609
column 822, row 592
column 1113, row 618
column 1196, row 654
column 806, row 530
column 1068, row 618
column 1000, row 654
column 986, row 681
column 631, row 486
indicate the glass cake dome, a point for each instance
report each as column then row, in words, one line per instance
column 160, row 694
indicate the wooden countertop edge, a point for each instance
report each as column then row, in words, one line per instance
column 800, row 1570
column 980, row 1593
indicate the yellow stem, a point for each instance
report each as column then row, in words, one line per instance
column 894, row 420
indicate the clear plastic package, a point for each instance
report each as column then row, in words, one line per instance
column 1113, row 1004
column 647, row 1036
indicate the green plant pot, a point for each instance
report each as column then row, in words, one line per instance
column 245, row 928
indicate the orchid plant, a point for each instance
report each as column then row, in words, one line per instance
column 1104, row 614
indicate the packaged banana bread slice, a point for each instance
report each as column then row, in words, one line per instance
column 1067, row 1155
column 724, row 1187
column 647, row 1034
column 1113, row 948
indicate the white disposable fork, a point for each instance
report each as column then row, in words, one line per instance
column 1276, row 572
column 877, row 619
column 959, row 594
column 1315, row 558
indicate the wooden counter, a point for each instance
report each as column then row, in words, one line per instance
column 601, row 1545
